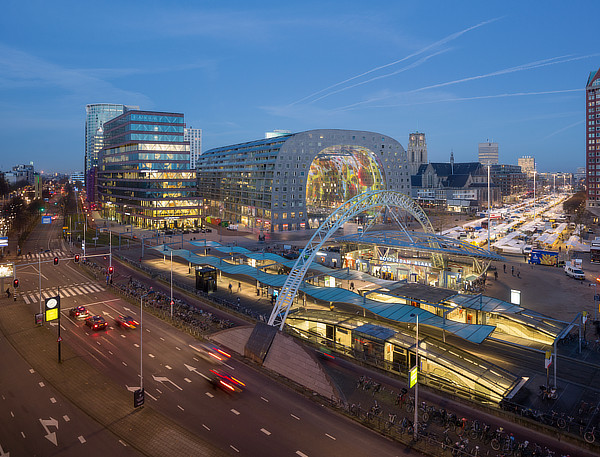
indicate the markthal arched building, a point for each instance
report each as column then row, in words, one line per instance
column 293, row 181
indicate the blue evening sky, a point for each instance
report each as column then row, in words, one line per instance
column 461, row 71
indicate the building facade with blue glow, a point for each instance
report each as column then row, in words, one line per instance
column 293, row 181
column 144, row 175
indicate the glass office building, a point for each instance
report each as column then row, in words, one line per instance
column 144, row 175
column 293, row 181
column 96, row 115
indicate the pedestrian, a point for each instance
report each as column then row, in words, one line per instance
column 230, row 288
column 238, row 302
column 504, row 268
column 512, row 270
column 351, row 286
column 496, row 275
column 239, row 286
column 8, row 292
column 519, row 274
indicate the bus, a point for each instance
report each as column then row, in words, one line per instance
column 595, row 251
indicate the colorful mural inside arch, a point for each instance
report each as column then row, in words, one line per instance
column 339, row 173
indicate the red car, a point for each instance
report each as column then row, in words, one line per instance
column 79, row 312
column 126, row 321
column 96, row 322
column 225, row 381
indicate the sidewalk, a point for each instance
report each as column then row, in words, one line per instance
column 109, row 404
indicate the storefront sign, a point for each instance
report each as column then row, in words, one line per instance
column 418, row 263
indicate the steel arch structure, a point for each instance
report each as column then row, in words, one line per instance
column 362, row 202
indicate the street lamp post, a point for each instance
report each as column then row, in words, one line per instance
column 415, row 423
column 489, row 206
column 534, row 173
column 141, row 338
column 171, row 284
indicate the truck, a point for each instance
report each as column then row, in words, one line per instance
column 541, row 257
column 573, row 269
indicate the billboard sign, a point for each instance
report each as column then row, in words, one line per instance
column 3, row 241
column 46, row 219
column 6, row 270
column 52, row 308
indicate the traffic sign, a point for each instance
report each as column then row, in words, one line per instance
column 584, row 317
column 548, row 359
column 46, row 219
column 3, row 241
column 412, row 377
column 596, row 297
column 52, row 307
column 138, row 398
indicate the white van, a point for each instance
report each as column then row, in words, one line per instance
column 573, row 269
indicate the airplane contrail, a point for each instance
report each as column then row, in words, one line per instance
column 527, row 66
column 563, row 129
column 421, row 61
column 421, row 51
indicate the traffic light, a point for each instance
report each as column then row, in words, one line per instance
column 16, row 283
column 76, row 258
column 111, row 270
column 55, row 260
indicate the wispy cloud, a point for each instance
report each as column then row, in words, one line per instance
column 19, row 69
column 478, row 97
column 423, row 50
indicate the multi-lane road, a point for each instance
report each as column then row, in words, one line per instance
column 267, row 418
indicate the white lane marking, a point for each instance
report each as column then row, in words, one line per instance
column 41, row 384
column 52, row 400
column 168, row 367
column 208, row 394
column 110, row 352
column 179, row 349
column 266, row 432
column 206, row 427
column 151, row 355
column 31, row 370
column 180, row 408
column 187, row 380
column 66, row 418
column 136, row 345
column 98, row 343
column 329, row 436
column 123, row 336
column 159, row 391
column 153, row 398
column 161, row 338
column 264, row 399
column 295, row 417
column 301, row 454
column 23, row 434
column 63, row 327
column 12, row 414
column 81, row 439
column 123, row 443
column 124, row 363
column 236, row 412
column 234, row 448
column 25, row 299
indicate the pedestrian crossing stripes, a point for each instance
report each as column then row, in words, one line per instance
column 67, row 291
column 31, row 256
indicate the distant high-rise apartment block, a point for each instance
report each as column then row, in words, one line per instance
column 592, row 143
column 275, row 133
column 194, row 136
column 95, row 116
column 488, row 153
column 416, row 151
column 527, row 164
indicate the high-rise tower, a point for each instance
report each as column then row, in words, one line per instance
column 592, row 141
column 194, row 136
column 488, row 153
column 95, row 116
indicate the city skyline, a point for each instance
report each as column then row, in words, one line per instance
column 511, row 73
